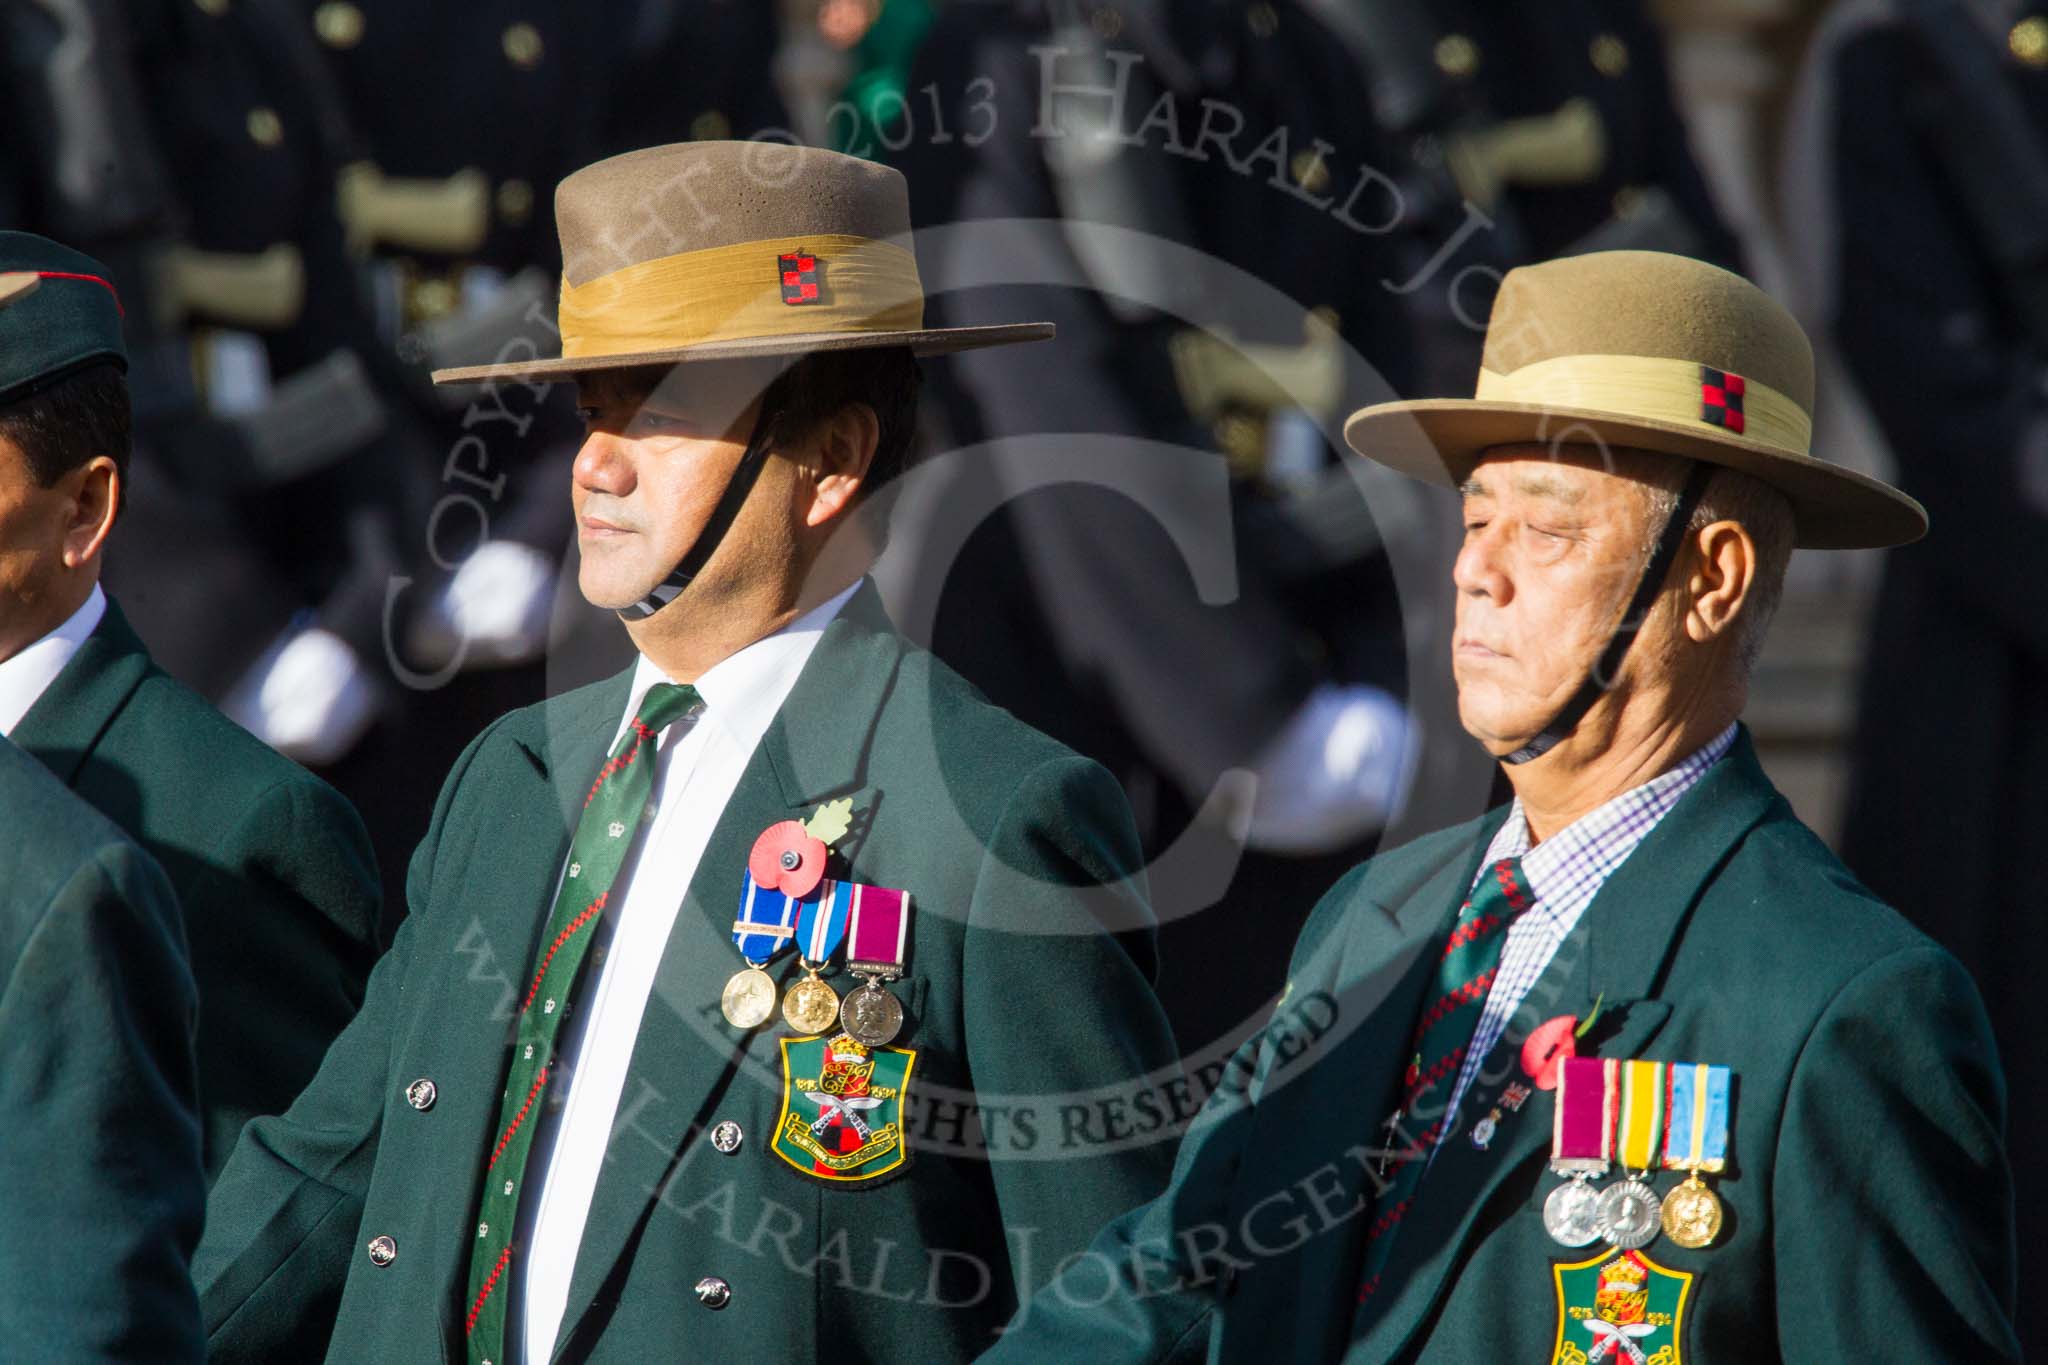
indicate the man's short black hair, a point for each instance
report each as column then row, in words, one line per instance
column 886, row 378
column 62, row 426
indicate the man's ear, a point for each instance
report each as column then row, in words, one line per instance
column 842, row 450
column 93, row 502
column 1723, row 573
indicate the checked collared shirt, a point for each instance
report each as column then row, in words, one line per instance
column 1566, row 871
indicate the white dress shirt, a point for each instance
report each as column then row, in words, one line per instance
column 697, row 769
column 25, row 677
column 1566, row 871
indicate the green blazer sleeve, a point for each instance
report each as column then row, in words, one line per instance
column 1894, row 1115
column 1149, row 1286
column 1058, row 1008
column 99, row 1171
column 282, row 1219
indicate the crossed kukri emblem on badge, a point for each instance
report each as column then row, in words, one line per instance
column 842, row 1097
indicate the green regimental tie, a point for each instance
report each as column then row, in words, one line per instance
column 611, row 817
column 1471, row 956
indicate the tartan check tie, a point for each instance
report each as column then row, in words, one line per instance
column 1471, row 956
column 611, row 817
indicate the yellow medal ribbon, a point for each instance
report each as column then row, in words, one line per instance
column 1642, row 1114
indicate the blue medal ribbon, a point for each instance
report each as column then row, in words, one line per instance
column 767, row 921
column 1697, row 1136
column 821, row 921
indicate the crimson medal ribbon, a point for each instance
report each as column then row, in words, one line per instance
column 878, row 928
column 1582, row 1134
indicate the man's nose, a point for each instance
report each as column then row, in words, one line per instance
column 1478, row 571
column 602, row 466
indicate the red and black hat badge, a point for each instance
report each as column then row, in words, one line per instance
column 799, row 278
column 1721, row 398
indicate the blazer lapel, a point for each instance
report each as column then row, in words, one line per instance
column 1615, row 956
column 66, row 723
column 687, row 1056
column 1315, row 1111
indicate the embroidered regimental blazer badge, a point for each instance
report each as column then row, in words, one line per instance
column 1619, row 1307
column 842, row 1107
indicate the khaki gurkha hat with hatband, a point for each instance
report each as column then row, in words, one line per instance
column 1659, row 352
column 727, row 250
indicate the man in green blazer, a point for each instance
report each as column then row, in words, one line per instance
column 271, row 866
column 570, row 1122
column 99, row 1170
column 1633, row 1069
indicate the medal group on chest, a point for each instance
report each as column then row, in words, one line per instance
column 786, row 898
column 1633, row 1117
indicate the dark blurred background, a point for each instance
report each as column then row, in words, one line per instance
column 1247, row 219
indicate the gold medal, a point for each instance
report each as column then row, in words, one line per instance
column 810, row 1005
column 749, row 998
column 1692, row 1214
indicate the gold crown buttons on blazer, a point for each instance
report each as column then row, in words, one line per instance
column 1609, row 55
column 266, row 129
column 1457, row 56
column 2029, row 40
column 523, row 47
column 339, row 24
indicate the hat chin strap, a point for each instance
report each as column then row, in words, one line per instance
column 1608, row 666
column 723, row 515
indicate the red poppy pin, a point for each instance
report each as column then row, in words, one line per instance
column 1553, row 1040
column 789, row 856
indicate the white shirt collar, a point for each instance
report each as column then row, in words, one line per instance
column 743, row 691
column 25, row 677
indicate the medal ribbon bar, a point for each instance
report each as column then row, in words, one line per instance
column 1698, row 1139
column 1582, row 1133
column 821, row 921
column 878, row 927
column 767, row 920
column 1642, row 1114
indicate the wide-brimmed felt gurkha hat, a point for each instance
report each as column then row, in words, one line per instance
column 724, row 250
column 1660, row 352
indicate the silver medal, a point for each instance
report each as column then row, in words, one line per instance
column 1628, row 1214
column 1571, row 1215
column 871, row 1015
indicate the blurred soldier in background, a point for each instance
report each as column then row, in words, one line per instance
column 195, row 147
column 1489, row 136
column 1525, row 133
column 1076, row 607
column 271, row 866
column 1920, row 187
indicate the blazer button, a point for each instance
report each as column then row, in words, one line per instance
column 383, row 1251
column 726, row 1137
column 713, row 1292
column 421, row 1094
